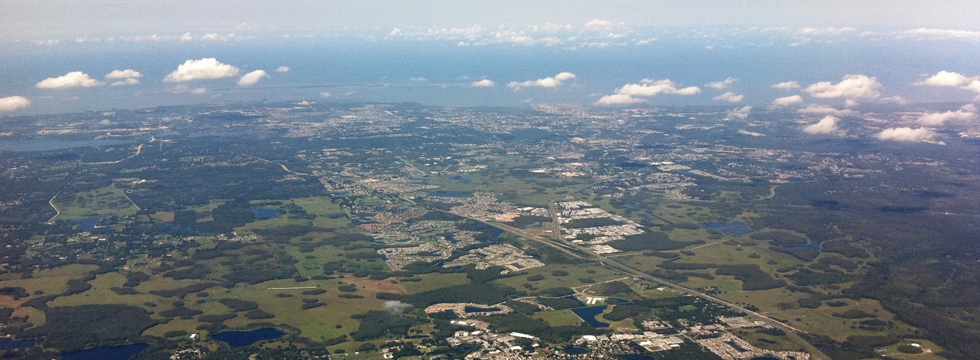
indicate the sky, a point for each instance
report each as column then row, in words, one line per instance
column 66, row 56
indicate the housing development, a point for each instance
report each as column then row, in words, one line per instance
column 302, row 230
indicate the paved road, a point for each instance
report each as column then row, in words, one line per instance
column 791, row 332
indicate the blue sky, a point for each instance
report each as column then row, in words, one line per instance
column 62, row 56
column 50, row 18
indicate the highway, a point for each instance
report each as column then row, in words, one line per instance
column 614, row 264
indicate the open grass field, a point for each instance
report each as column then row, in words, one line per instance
column 625, row 325
column 275, row 222
column 558, row 317
column 95, row 204
column 73, row 271
column 782, row 343
column 639, row 261
column 765, row 300
column 821, row 320
column 721, row 254
column 320, row 255
column 317, row 324
column 100, row 293
column 684, row 213
column 678, row 234
column 535, row 191
column 575, row 272
column 48, row 284
column 433, row 281
column 173, row 325
column 323, row 208
column 929, row 350
column 723, row 283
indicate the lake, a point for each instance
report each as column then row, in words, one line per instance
column 589, row 313
column 10, row 344
column 265, row 214
column 123, row 352
column 55, row 144
column 473, row 309
column 89, row 225
column 237, row 339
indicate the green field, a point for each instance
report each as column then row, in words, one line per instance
column 433, row 281
column 782, row 343
column 95, row 204
column 930, row 349
column 575, row 272
column 322, row 207
column 558, row 317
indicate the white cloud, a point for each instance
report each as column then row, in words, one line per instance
column 649, row 87
column 944, row 33
column 599, row 24
column 646, row 41
column 894, row 100
column 184, row 89
column 123, row 74
column 789, row 85
column 12, row 103
column 827, row 110
column 618, row 99
column 252, row 78
column 740, row 113
column 206, row 68
column 945, row 78
column 906, row 134
column 825, row 31
column 827, row 125
column 548, row 82
column 186, row 37
column 325, row 94
column 395, row 31
column 729, row 97
column 787, row 100
column 70, row 80
column 852, row 87
column 483, row 83
column 282, row 69
column 967, row 112
column 722, row 85
column 129, row 81
column 418, row 79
